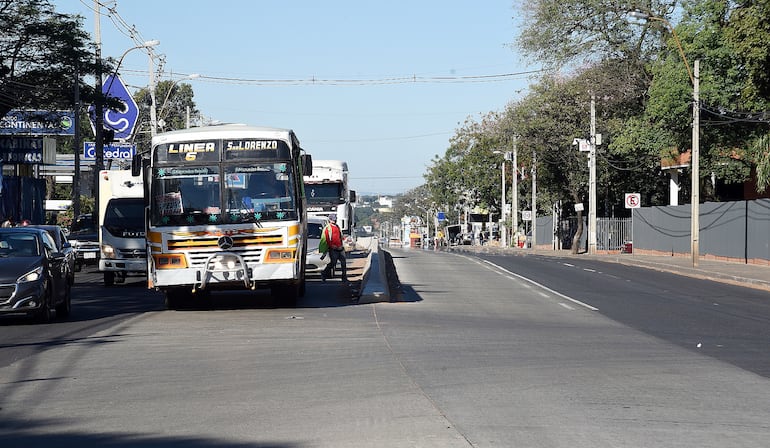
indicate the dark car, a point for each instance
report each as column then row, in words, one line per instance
column 84, row 239
column 62, row 245
column 33, row 278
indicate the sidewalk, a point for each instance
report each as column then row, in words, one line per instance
column 742, row 274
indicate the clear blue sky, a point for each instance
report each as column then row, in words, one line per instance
column 388, row 132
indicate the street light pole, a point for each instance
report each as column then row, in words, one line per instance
column 695, row 151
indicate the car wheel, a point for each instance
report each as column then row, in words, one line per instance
column 109, row 279
column 64, row 308
column 44, row 315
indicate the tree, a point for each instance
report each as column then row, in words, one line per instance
column 172, row 100
column 41, row 52
column 559, row 32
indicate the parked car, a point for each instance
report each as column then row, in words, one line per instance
column 84, row 238
column 314, row 263
column 33, row 279
column 62, row 245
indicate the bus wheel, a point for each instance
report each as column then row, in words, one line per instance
column 109, row 278
column 286, row 294
column 203, row 300
column 175, row 297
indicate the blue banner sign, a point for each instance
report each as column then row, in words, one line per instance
column 38, row 122
column 21, row 150
column 115, row 151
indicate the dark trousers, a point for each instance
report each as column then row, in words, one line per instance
column 334, row 256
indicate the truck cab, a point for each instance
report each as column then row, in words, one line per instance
column 122, row 227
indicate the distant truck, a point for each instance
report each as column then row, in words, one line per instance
column 121, row 226
column 327, row 192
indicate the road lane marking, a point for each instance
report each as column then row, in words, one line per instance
column 539, row 285
column 566, row 306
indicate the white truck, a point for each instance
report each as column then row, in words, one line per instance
column 327, row 192
column 121, row 226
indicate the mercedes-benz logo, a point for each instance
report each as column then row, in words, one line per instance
column 225, row 242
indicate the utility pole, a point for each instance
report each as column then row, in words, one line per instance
column 534, row 198
column 99, row 111
column 153, row 108
column 77, row 146
column 503, row 231
column 695, row 186
column 515, row 194
column 592, row 182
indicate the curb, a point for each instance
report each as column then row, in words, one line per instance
column 375, row 284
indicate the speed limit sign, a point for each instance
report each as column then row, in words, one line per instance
column 633, row 200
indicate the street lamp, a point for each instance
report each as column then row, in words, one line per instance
column 695, row 155
column 161, row 121
column 147, row 44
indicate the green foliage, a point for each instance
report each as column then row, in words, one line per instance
column 172, row 99
column 40, row 53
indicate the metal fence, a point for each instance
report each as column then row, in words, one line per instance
column 613, row 233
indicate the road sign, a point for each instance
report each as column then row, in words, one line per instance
column 440, row 216
column 633, row 200
column 121, row 121
column 120, row 151
column 526, row 215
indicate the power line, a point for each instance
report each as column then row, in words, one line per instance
column 501, row 77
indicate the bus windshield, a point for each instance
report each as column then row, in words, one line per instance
column 259, row 191
column 196, row 196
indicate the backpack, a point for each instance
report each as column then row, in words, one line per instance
column 333, row 236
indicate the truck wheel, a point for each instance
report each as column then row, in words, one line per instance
column 109, row 278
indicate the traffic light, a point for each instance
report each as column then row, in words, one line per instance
column 108, row 136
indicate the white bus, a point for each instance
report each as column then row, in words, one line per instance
column 225, row 210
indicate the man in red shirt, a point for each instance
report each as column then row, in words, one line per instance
column 333, row 238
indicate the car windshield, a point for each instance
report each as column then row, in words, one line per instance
column 314, row 230
column 83, row 224
column 18, row 245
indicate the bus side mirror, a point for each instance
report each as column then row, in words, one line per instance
column 352, row 195
column 136, row 165
column 307, row 164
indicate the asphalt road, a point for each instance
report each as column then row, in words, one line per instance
column 473, row 354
